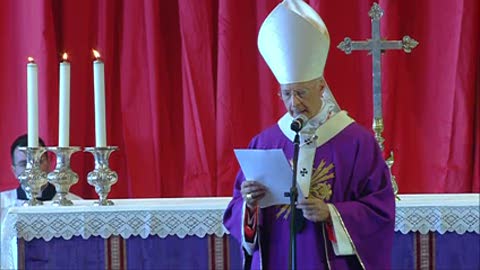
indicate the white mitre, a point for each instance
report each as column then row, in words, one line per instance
column 294, row 42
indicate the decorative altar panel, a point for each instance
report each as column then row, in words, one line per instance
column 115, row 252
column 432, row 232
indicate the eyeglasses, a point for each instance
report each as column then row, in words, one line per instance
column 23, row 163
column 286, row 95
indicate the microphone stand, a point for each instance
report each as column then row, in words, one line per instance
column 293, row 194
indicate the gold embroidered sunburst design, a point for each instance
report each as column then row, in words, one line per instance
column 318, row 187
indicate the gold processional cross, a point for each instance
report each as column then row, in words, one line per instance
column 376, row 46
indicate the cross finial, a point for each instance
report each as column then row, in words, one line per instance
column 376, row 12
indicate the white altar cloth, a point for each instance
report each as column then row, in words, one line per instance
column 201, row 216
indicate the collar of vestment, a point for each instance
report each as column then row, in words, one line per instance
column 310, row 140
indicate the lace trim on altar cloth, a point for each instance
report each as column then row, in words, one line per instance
column 125, row 224
column 203, row 216
column 438, row 219
column 441, row 213
column 209, row 222
column 141, row 223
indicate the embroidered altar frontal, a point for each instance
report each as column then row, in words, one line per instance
column 171, row 252
column 432, row 232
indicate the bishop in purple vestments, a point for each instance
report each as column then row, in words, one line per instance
column 348, row 208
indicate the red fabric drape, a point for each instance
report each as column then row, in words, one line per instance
column 185, row 85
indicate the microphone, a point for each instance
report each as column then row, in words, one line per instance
column 298, row 122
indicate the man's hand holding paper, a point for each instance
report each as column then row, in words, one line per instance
column 252, row 192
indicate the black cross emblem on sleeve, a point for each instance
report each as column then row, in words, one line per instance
column 303, row 172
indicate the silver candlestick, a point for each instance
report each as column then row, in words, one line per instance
column 32, row 179
column 63, row 177
column 102, row 177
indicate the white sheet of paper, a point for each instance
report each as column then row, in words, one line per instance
column 269, row 167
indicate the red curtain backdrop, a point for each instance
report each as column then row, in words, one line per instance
column 185, row 85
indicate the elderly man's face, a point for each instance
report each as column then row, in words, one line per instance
column 303, row 98
column 20, row 162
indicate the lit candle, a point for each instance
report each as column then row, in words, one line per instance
column 32, row 102
column 99, row 89
column 64, row 103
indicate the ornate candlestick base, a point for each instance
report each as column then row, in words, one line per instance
column 390, row 161
column 102, row 178
column 378, row 129
column 63, row 177
column 33, row 178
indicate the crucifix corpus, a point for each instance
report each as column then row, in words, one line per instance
column 376, row 46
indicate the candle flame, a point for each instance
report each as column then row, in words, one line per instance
column 96, row 54
column 65, row 56
column 30, row 59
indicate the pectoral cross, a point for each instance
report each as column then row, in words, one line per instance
column 376, row 46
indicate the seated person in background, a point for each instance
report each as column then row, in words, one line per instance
column 19, row 163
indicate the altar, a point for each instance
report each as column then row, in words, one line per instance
column 431, row 232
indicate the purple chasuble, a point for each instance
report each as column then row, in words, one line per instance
column 350, row 173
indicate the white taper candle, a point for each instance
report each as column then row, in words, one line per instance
column 99, row 87
column 32, row 103
column 64, row 103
